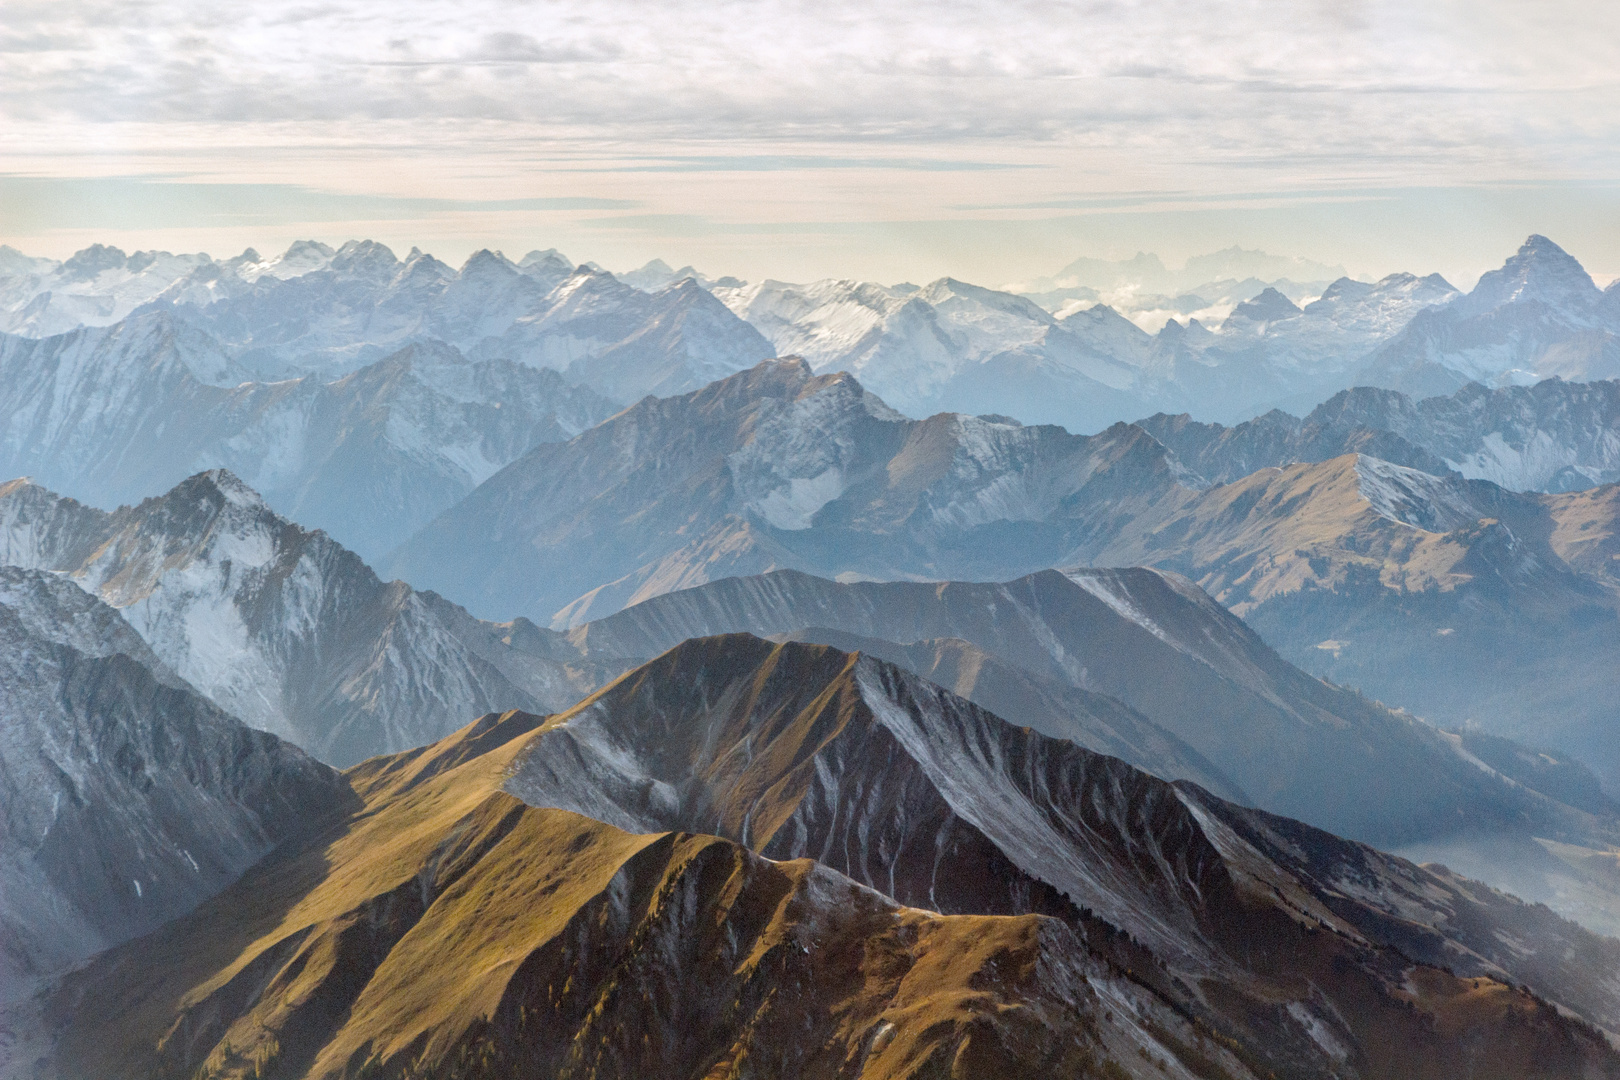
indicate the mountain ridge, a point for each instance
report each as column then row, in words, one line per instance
column 353, row 922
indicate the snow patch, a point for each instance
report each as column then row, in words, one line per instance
column 1411, row 497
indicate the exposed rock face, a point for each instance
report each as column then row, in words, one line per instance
column 1052, row 707
column 125, row 796
column 583, row 950
column 285, row 628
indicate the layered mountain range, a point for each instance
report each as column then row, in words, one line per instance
column 1539, row 316
column 751, row 859
column 816, row 739
column 958, row 347
column 316, row 310
column 772, row 467
column 115, row 414
column 297, row 636
column 1254, row 722
column 1250, row 344
column 1457, row 598
column 1553, row 436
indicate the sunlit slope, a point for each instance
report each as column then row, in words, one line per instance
column 449, row 930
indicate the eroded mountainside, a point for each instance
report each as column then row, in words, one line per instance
column 285, row 628
column 1244, row 945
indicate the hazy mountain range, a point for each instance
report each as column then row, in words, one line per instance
column 948, row 345
column 1458, row 598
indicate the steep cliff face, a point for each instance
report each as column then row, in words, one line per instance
column 285, row 628
column 449, row 928
column 125, row 796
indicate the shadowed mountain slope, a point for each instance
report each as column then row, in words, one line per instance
column 125, row 796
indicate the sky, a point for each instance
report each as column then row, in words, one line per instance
column 892, row 141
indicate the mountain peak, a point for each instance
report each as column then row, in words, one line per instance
column 487, row 263
column 93, row 260
column 1540, row 271
column 227, row 485
column 1269, row 306
column 365, row 258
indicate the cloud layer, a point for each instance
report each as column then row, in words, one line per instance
column 965, row 110
column 1331, row 81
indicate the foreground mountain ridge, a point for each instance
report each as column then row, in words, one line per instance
column 1297, row 746
column 691, row 956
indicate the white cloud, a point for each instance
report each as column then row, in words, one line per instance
column 1232, row 78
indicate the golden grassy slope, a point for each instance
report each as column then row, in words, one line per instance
column 448, row 930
